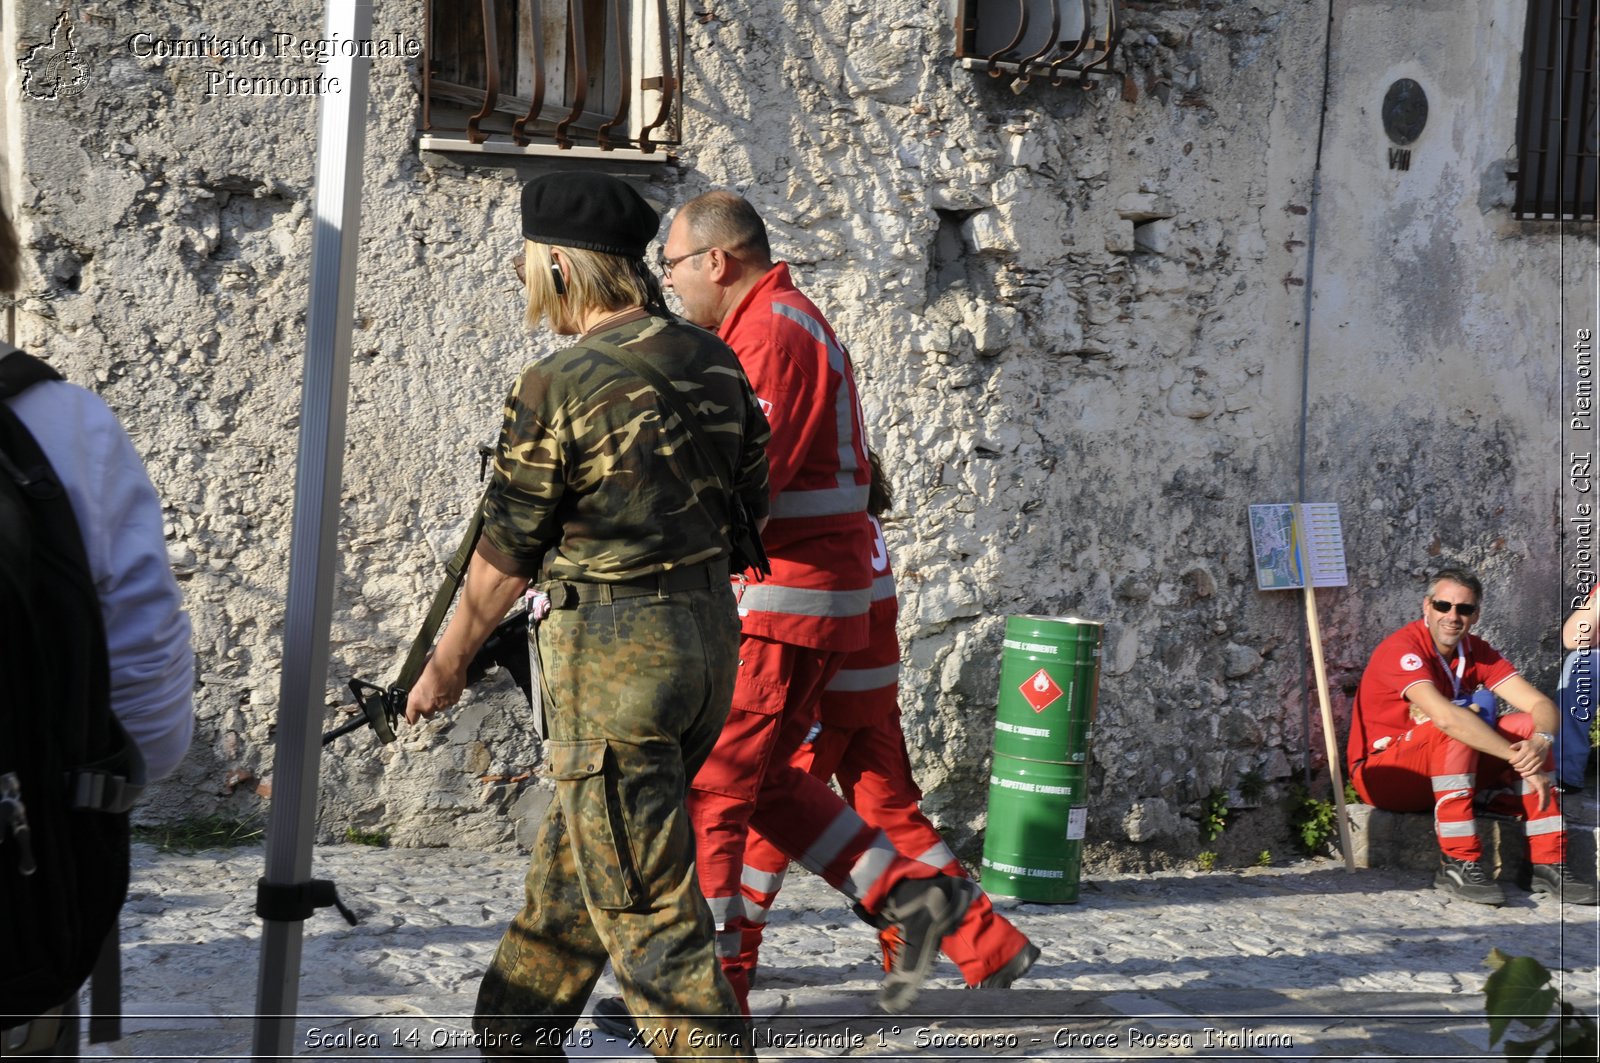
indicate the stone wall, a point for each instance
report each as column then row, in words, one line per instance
column 1077, row 315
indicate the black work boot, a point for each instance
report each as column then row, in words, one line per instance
column 1467, row 880
column 921, row 911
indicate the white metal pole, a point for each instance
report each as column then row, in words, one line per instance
column 313, row 551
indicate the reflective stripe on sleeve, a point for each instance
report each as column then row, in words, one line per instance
column 843, row 408
column 823, row 502
column 802, row 601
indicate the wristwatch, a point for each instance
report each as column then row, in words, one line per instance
column 1550, row 739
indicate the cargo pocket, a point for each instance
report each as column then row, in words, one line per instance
column 586, row 783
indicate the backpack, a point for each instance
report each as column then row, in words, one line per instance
column 68, row 771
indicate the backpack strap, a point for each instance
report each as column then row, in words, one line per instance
column 105, row 989
column 20, row 371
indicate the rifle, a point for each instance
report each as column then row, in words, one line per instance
column 506, row 647
column 381, row 707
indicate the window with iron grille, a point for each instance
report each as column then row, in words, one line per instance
column 1557, row 139
column 1054, row 39
column 536, row 76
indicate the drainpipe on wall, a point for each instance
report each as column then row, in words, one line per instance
column 1305, row 351
column 10, row 145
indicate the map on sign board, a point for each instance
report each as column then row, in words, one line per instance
column 1297, row 544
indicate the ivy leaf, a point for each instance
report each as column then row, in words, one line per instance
column 1518, row 990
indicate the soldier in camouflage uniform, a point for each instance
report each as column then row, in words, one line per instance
column 600, row 494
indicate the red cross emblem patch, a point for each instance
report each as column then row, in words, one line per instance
column 1040, row 690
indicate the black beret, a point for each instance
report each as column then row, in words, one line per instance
column 594, row 211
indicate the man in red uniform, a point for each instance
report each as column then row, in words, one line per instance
column 1417, row 742
column 858, row 742
column 807, row 617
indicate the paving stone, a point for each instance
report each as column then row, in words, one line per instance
column 1308, row 959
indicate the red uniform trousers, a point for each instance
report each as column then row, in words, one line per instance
column 874, row 773
column 749, row 781
column 1424, row 769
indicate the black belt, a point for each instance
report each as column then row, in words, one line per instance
column 569, row 594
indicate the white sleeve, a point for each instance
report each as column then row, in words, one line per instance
column 119, row 516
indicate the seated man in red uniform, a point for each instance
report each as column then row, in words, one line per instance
column 1417, row 742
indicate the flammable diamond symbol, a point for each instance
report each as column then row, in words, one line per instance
column 1040, row 690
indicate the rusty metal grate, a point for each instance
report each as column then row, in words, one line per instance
column 1557, row 141
column 1055, row 39
column 603, row 74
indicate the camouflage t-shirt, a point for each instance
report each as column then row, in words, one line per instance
column 596, row 478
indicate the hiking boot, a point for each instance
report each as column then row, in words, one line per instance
column 1467, row 880
column 1556, row 879
column 611, row 1016
column 1015, row 968
column 922, row 911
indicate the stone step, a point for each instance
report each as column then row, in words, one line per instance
column 1405, row 840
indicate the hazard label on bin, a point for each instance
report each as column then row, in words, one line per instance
column 1040, row 690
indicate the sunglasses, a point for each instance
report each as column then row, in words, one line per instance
column 1463, row 609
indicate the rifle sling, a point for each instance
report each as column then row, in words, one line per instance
column 455, row 572
column 670, row 395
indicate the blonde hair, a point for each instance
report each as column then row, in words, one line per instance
column 593, row 281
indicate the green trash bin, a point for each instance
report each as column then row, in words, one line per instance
column 1034, row 841
column 1049, row 688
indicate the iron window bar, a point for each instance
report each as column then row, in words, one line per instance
column 1558, row 164
column 473, row 48
column 1014, row 22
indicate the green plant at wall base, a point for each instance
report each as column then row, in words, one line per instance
column 1213, row 816
column 1314, row 821
column 1252, row 787
column 1519, row 991
column 1264, row 858
column 199, row 833
column 1207, row 860
column 376, row 838
column 1350, row 795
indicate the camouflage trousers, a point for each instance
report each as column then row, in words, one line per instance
column 636, row 693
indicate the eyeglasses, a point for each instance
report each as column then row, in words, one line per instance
column 667, row 264
column 1463, row 609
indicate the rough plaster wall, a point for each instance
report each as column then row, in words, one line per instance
column 1437, row 337
column 1070, row 352
column 170, row 231
column 1075, row 317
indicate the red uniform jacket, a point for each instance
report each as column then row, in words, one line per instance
column 1404, row 659
column 817, row 537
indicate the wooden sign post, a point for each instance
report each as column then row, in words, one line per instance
column 1300, row 545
